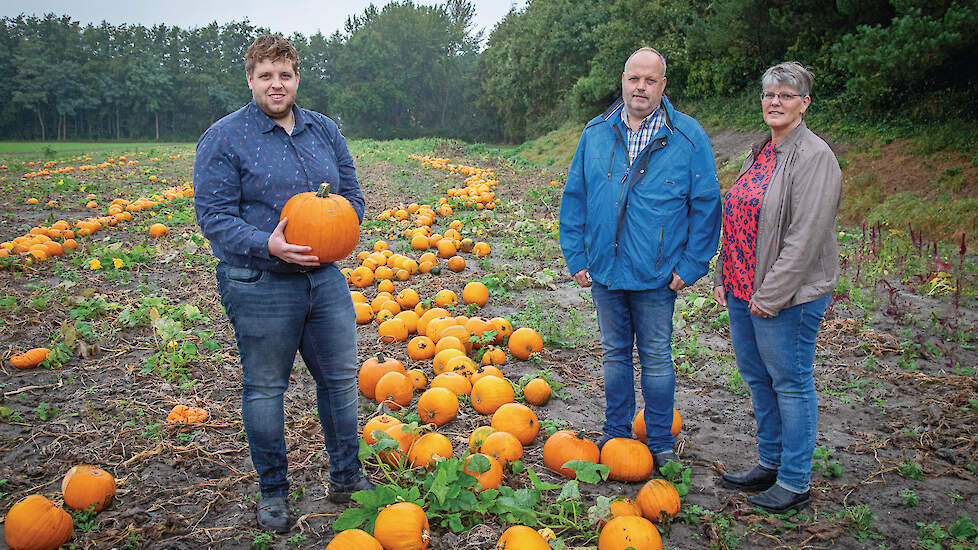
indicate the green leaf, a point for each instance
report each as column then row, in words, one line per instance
column 588, row 472
column 478, row 463
column 351, row 518
column 540, row 485
column 570, row 491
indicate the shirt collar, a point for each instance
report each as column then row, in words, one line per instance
column 267, row 124
column 645, row 121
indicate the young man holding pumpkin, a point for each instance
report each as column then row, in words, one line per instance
column 278, row 297
column 640, row 220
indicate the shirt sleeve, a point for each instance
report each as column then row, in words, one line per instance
column 573, row 213
column 217, row 199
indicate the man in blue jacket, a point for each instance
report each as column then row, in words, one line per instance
column 640, row 220
column 278, row 297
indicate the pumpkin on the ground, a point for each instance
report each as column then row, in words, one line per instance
column 658, row 497
column 565, row 445
column 629, row 532
column 628, row 459
column 85, row 485
column 521, row 537
column 517, row 419
column 402, row 526
column 35, row 523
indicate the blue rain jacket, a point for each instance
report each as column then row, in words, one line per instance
column 632, row 226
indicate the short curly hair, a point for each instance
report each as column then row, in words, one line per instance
column 272, row 47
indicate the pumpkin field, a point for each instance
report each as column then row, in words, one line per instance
column 476, row 348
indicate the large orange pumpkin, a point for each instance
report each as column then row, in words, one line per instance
column 35, row 523
column 402, row 526
column 521, row 537
column 85, row 485
column 629, row 460
column 395, row 388
column 658, row 497
column 354, row 539
column 323, row 221
column 629, row 531
column 517, row 419
column 565, row 445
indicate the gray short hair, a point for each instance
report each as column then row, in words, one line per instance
column 791, row 74
column 647, row 49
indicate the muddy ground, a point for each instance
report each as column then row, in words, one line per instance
column 895, row 371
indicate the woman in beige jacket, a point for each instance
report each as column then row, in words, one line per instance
column 778, row 265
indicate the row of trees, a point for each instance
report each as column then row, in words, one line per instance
column 407, row 70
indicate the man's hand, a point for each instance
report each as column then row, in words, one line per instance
column 292, row 253
column 677, row 283
column 583, row 278
column 720, row 295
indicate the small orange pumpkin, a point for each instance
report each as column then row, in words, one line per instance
column 158, row 230
column 85, row 485
column 629, row 531
column 537, row 392
column 437, row 406
column 525, row 341
column 427, row 448
column 491, row 478
column 638, row 424
column 658, row 497
column 491, row 392
column 503, row 446
column 628, row 459
column 354, row 539
column 402, row 526
column 517, row 419
column 373, row 369
column 29, row 359
column 521, row 537
column 565, row 445
column 381, row 423
column 395, row 389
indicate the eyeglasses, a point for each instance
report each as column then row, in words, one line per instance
column 782, row 96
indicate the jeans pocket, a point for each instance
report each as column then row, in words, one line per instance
column 244, row 274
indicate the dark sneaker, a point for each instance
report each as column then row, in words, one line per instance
column 341, row 494
column 757, row 478
column 661, row 459
column 778, row 500
column 273, row 514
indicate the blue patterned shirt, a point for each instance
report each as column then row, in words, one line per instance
column 247, row 167
column 639, row 139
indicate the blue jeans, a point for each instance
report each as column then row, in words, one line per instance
column 643, row 319
column 775, row 357
column 274, row 315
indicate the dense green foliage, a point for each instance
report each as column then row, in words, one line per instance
column 407, row 70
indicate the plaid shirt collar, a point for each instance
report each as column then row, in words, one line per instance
column 639, row 139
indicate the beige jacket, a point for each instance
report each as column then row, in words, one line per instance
column 797, row 254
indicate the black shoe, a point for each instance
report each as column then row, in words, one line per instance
column 778, row 500
column 661, row 459
column 341, row 494
column 273, row 514
column 757, row 478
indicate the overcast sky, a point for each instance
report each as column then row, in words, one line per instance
column 304, row 16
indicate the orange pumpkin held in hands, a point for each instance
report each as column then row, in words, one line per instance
column 324, row 221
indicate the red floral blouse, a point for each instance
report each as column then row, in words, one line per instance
column 741, row 210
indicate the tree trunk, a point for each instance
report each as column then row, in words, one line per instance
column 41, row 120
column 118, row 136
column 157, row 115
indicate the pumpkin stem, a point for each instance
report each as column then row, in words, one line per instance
column 323, row 190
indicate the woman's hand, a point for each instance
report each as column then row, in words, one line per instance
column 720, row 295
column 583, row 278
column 754, row 310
